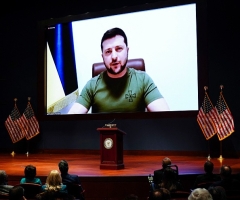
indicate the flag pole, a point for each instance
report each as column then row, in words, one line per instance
column 220, row 157
column 27, row 148
column 13, row 153
column 29, row 98
column 209, row 155
column 15, row 103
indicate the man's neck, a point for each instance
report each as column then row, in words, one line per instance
column 121, row 74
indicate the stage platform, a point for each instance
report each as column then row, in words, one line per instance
column 102, row 184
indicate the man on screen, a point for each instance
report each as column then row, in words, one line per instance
column 119, row 88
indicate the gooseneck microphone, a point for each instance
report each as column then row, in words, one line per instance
column 110, row 124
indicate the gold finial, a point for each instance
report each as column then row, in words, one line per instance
column 220, row 159
column 221, row 87
column 15, row 101
column 205, row 88
column 13, row 153
column 209, row 157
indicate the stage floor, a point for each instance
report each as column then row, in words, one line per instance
column 89, row 165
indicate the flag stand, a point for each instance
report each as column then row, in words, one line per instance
column 27, row 148
column 220, row 157
column 209, row 157
column 13, row 153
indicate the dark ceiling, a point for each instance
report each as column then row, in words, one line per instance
column 60, row 8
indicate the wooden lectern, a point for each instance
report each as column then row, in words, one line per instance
column 111, row 147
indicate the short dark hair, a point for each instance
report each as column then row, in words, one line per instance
column 160, row 194
column 30, row 172
column 16, row 193
column 112, row 33
column 208, row 166
column 217, row 192
column 63, row 166
column 225, row 171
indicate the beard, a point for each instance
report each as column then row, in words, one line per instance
column 121, row 69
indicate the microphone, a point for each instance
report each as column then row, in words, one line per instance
column 112, row 121
column 110, row 124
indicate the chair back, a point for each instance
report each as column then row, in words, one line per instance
column 175, row 168
column 4, row 196
column 137, row 64
column 31, row 189
column 174, row 172
column 56, row 195
column 180, row 195
column 205, row 185
column 76, row 190
column 233, row 194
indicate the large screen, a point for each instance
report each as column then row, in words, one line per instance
column 164, row 36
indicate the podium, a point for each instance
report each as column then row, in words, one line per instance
column 111, row 148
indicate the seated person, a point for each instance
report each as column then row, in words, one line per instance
column 66, row 177
column 157, row 179
column 16, row 193
column 170, row 180
column 227, row 181
column 160, row 194
column 200, row 194
column 131, row 197
column 54, row 195
column 4, row 187
column 208, row 176
column 218, row 193
column 30, row 175
column 54, row 183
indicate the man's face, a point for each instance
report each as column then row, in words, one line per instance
column 115, row 54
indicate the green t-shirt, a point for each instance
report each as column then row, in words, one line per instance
column 130, row 93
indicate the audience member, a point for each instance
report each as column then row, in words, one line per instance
column 200, row 194
column 208, row 176
column 218, row 193
column 54, row 195
column 157, row 176
column 4, row 187
column 30, row 175
column 54, row 183
column 227, row 181
column 71, row 180
column 160, row 194
column 66, row 177
column 170, row 180
column 16, row 193
column 238, row 176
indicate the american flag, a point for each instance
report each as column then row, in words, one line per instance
column 224, row 122
column 205, row 118
column 14, row 126
column 29, row 122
